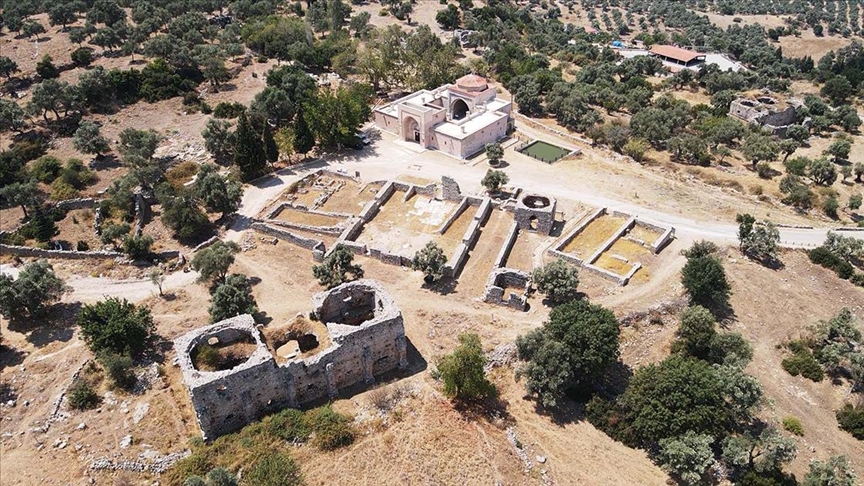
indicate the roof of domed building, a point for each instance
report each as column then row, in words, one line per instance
column 472, row 81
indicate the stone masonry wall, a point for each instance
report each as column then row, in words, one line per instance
column 225, row 401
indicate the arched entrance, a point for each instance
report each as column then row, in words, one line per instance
column 459, row 110
column 411, row 130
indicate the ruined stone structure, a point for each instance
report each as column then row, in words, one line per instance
column 766, row 112
column 458, row 119
column 535, row 213
column 367, row 339
column 508, row 287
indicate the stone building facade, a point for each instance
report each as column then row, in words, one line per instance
column 367, row 337
column 458, row 119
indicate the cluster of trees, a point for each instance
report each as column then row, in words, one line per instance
column 230, row 294
column 697, row 407
column 290, row 115
column 841, row 254
column 831, row 347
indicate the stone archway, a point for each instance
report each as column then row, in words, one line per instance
column 411, row 129
column 459, row 109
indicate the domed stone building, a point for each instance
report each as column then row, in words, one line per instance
column 458, row 119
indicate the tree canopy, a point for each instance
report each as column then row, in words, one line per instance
column 571, row 351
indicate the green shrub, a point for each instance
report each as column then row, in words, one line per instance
column 228, row 110
column 289, row 425
column 82, row 396
column 115, row 325
column 82, row 245
column 331, row 429
column 802, row 362
column 119, row 369
column 207, row 357
column 825, row 257
column 137, row 247
column 275, row 469
column 793, row 425
column 851, row 419
column 858, row 279
column 60, row 191
column 46, row 169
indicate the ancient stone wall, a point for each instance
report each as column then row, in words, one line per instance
column 501, row 279
column 26, row 251
column 80, row 203
column 225, row 401
column 450, row 189
column 535, row 213
column 301, row 241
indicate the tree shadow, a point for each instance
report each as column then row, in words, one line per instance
column 261, row 317
column 58, row 324
column 445, row 286
column 491, row 410
column 10, row 357
column 103, row 162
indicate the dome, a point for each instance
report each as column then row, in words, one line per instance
column 472, row 82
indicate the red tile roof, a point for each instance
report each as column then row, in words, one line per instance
column 676, row 53
column 471, row 81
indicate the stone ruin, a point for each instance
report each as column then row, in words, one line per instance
column 503, row 288
column 366, row 336
column 766, row 112
column 535, row 213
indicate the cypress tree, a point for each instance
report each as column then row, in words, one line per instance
column 270, row 149
column 304, row 140
column 249, row 154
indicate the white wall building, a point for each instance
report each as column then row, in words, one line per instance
column 458, row 119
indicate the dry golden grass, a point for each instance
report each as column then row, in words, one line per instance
column 594, row 235
column 311, row 219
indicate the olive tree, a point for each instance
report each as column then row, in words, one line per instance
column 462, row 371
column 494, row 179
column 212, row 263
column 116, row 326
column 218, row 193
column 571, row 351
column 232, row 298
column 36, row 288
column 557, row 281
column 431, row 260
column 334, row 270
column 88, row 139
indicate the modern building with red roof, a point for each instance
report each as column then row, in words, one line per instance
column 677, row 55
column 458, row 119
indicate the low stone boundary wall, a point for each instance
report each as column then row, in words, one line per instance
column 317, row 246
column 663, row 240
column 667, row 235
column 80, row 203
column 619, row 279
column 460, row 254
column 328, row 230
column 556, row 251
column 276, row 210
column 374, row 205
column 389, row 258
column 26, row 251
column 205, row 244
